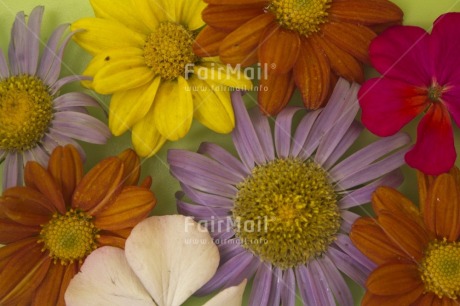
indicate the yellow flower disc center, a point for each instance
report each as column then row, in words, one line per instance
column 26, row 111
column 169, row 49
column 70, row 237
column 302, row 16
column 440, row 269
column 286, row 212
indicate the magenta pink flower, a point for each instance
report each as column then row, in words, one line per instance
column 420, row 74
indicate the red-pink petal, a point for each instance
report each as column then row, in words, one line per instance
column 450, row 98
column 445, row 48
column 388, row 105
column 434, row 151
column 402, row 52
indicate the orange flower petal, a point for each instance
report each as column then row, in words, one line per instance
column 36, row 177
column 31, row 196
column 130, row 207
column 351, row 38
column 23, row 212
column 312, row 75
column 391, row 200
column 48, row 291
column 122, row 233
column 229, row 17
column 108, row 240
column 407, row 298
column 146, row 183
column 394, row 278
column 371, row 240
column 100, row 186
column 424, row 184
column 240, row 46
column 11, row 231
column 131, row 167
column 208, row 41
column 428, row 299
column 10, row 250
column 405, row 233
column 279, row 48
column 275, row 92
column 22, row 274
column 365, row 12
column 442, row 210
column 341, row 62
column 69, row 273
column 66, row 167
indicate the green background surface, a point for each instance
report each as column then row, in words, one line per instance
column 417, row 12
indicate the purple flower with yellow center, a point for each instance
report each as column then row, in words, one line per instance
column 34, row 117
column 280, row 212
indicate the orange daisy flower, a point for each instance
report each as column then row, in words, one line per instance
column 298, row 43
column 417, row 251
column 60, row 217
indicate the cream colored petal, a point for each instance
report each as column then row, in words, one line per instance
column 106, row 279
column 173, row 109
column 212, row 106
column 120, row 11
column 173, row 256
column 145, row 137
column 129, row 106
column 188, row 13
column 226, row 75
column 102, row 34
column 125, row 71
column 232, row 296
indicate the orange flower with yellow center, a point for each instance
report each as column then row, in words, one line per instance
column 299, row 43
column 60, row 217
column 417, row 251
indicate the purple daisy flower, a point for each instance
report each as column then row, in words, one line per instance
column 281, row 211
column 34, row 117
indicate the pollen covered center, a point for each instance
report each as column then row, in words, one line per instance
column 302, row 16
column 440, row 269
column 168, row 50
column 26, row 112
column 70, row 237
column 286, row 212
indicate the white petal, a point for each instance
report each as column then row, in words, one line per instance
column 232, row 296
column 106, row 279
column 173, row 256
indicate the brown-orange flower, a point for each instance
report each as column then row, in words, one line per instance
column 417, row 250
column 300, row 43
column 61, row 216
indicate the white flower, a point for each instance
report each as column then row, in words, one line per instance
column 166, row 259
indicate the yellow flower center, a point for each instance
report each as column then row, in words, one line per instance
column 440, row 269
column 70, row 237
column 435, row 93
column 26, row 111
column 286, row 212
column 302, row 16
column 169, row 49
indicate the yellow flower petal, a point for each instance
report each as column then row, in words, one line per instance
column 173, row 109
column 213, row 108
column 123, row 70
column 149, row 12
column 224, row 75
column 101, row 34
column 129, row 106
column 188, row 13
column 145, row 137
column 120, row 11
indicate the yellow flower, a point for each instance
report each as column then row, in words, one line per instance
column 143, row 56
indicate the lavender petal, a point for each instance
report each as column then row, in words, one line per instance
column 32, row 50
column 348, row 218
column 13, row 171
column 300, row 145
column 344, row 243
column 264, row 133
column 320, row 284
column 49, row 53
column 261, row 286
column 4, row 71
column 73, row 99
column 63, row 140
column 336, row 282
column 224, row 158
column 37, row 154
column 16, row 50
column 230, row 248
column 202, row 166
column 81, row 126
column 288, row 293
column 55, row 66
column 206, row 199
column 283, row 126
column 66, row 80
column 348, row 265
column 276, row 287
column 199, row 211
